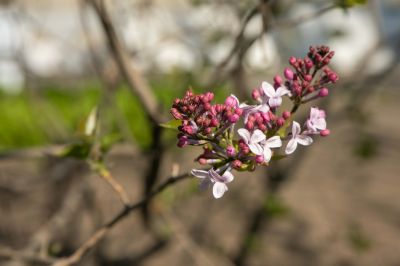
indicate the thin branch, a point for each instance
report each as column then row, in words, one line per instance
column 33, row 259
column 109, row 178
column 100, row 233
column 239, row 39
column 305, row 18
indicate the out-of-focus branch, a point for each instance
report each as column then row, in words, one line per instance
column 108, row 177
column 239, row 40
column 132, row 75
column 305, row 18
column 100, row 233
column 33, row 259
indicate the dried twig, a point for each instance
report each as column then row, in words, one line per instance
column 100, row 233
column 108, row 177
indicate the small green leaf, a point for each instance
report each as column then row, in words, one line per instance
column 108, row 141
column 172, row 124
column 350, row 3
column 79, row 150
column 282, row 131
column 277, row 157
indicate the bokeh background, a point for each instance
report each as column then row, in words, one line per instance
column 334, row 203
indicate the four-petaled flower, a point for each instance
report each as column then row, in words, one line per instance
column 273, row 142
column 253, row 140
column 316, row 121
column 297, row 137
column 274, row 96
column 212, row 177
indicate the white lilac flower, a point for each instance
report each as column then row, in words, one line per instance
column 297, row 138
column 274, row 96
column 273, row 142
column 253, row 140
column 212, row 177
column 316, row 121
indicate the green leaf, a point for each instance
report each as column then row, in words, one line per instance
column 108, row 141
column 173, row 124
column 282, row 131
column 277, row 157
column 79, row 150
column 350, row 3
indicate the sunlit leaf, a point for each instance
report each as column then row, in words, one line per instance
column 173, row 124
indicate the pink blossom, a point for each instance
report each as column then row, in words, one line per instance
column 267, row 145
column 212, row 177
column 297, row 137
column 316, row 121
column 253, row 140
column 274, row 96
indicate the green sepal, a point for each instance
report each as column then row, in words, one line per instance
column 282, row 131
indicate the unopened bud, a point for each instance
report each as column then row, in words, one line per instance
column 278, row 80
column 288, row 73
column 259, row 159
column 323, row 92
column 325, row 132
column 230, row 151
column 286, row 115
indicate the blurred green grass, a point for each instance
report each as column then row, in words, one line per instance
column 53, row 114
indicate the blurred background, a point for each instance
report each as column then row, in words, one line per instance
column 334, row 203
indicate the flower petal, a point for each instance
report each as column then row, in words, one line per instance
column 199, row 173
column 275, row 101
column 215, row 176
column 256, row 148
column 268, row 89
column 304, row 140
column 314, row 113
column 267, row 154
column 219, row 189
column 281, row 91
column 245, row 134
column 257, row 136
column 295, row 129
column 320, row 123
column 228, row 177
column 273, row 142
column 264, row 108
column 291, row 146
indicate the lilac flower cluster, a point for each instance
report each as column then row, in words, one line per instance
column 263, row 128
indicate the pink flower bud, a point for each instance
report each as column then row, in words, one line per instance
column 259, row 159
column 308, row 78
column 250, row 125
column 202, row 161
column 236, row 164
column 207, row 130
column 182, row 141
column 210, row 96
column 230, row 101
column 292, row 60
column 323, row 92
column 286, row 115
column 262, row 127
column 239, row 111
column 265, row 117
column 288, row 73
column 214, row 122
column 280, row 121
column 325, row 132
column 278, row 80
column 255, row 94
column 234, row 118
column 230, row 151
column 333, row 77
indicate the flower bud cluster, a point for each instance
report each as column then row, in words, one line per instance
column 264, row 128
